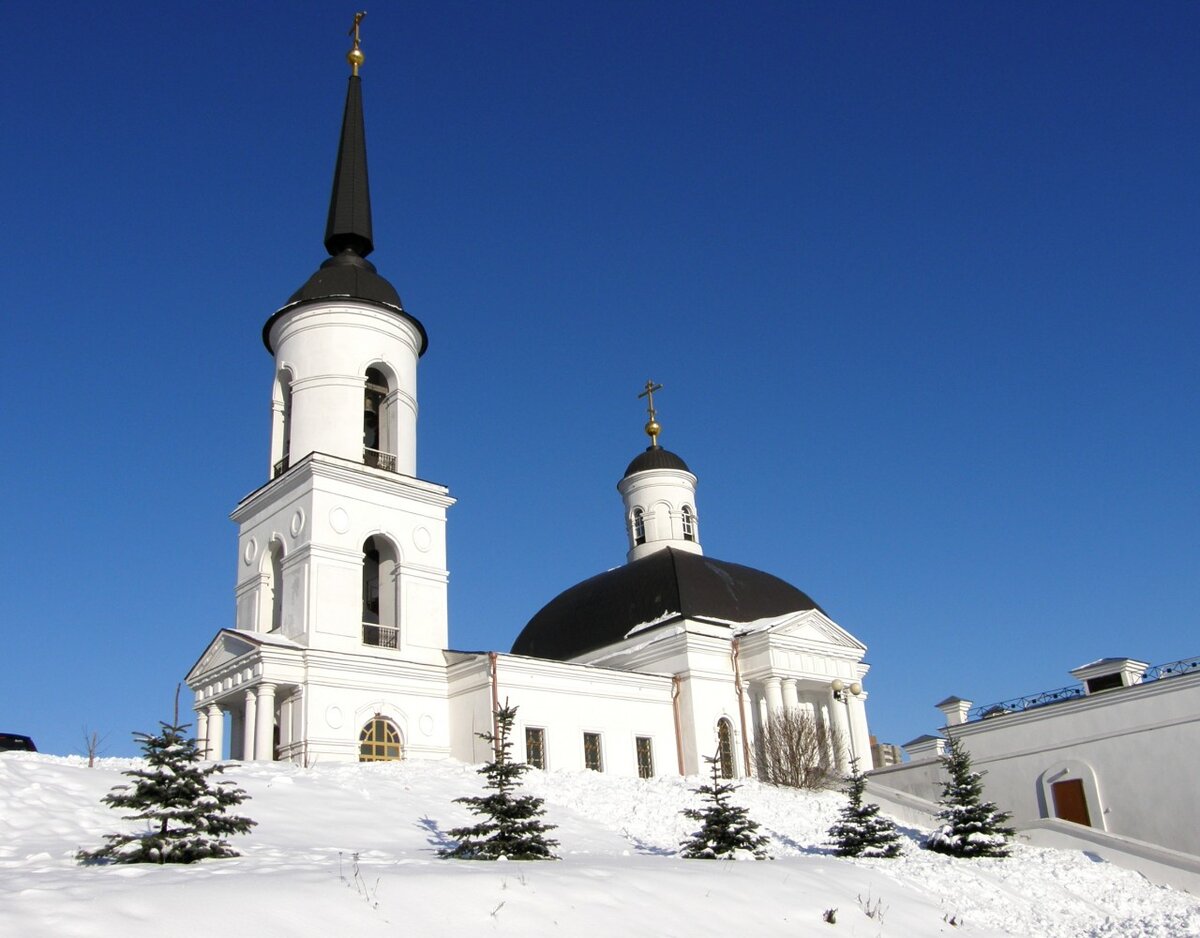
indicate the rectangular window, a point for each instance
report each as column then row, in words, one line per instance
column 591, row 752
column 645, row 758
column 535, row 747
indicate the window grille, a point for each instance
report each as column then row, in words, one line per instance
column 689, row 524
column 645, row 757
column 591, row 752
column 535, row 747
column 380, row 742
column 725, row 747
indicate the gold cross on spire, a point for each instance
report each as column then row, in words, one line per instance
column 653, row 428
column 355, row 56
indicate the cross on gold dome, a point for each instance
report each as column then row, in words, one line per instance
column 653, row 428
column 355, row 56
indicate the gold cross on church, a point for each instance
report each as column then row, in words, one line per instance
column 653, row 428
column 355, row 56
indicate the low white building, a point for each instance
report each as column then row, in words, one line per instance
column 1119, row 752
column 340, row 646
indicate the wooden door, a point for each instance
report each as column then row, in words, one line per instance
column 1070, row 803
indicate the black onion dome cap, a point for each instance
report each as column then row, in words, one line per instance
column 661, row 587
column 347, row 276
column 655, row 457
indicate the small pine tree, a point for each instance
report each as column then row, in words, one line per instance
column 513, row 829
column 186, row 816
column 970, row 827
column 860, row 831
column 726, row 831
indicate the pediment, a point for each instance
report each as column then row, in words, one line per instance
column 227, row 646
column 813, row 627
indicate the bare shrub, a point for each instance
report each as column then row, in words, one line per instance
column 796, row 751
column 92, row 742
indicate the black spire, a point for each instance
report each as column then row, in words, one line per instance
column 349, row 225
column 348, row 236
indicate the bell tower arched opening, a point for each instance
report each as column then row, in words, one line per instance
column 380, row 606
column 379, row 425
column 281, row 424
column 270, row 596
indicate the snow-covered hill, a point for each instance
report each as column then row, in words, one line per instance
column 349, row 850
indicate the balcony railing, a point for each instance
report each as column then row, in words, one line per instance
column 379, row 459
column 380, row 636
column 280, row 467
column 1074, row 691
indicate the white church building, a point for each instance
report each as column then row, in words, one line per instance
column 340, row 648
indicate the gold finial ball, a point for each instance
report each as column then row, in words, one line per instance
column 355, row 57
column 653, row 428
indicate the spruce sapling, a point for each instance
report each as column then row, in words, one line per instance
column 185, row 815
column 860, row 830
column 726, row 831
column 971, row 827
column 512, row 827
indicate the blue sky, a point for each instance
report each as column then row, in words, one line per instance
column 920, row 281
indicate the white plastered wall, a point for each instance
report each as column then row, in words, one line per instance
column 323, row 511
column 1136, row 749
column 565, row 701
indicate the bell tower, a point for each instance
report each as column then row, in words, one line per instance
column 343, row 549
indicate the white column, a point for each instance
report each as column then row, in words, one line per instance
column 791, row 699
column 862, row 739
column 264, row 723
column 202, row 732
column 248, row 726
column 841, row 730
column 216, row 732
column 774, row 697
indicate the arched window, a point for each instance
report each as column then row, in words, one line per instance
column 376, row 432
column 725, row 747
column 270, row 592
column 639, row 526
column 276, row 564
column 282, row 442
column 689, row 524
column 380, row 741
column 381, row 624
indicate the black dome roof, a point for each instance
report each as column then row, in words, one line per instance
column 666, row 585
column 348, row 274
column 655, row 457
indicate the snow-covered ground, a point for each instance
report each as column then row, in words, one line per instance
column 351, row 850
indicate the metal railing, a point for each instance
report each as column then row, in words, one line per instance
column 280, row 467
column 1074, row 691
column 1182, row 666
column 1029, row 702
column 380, row 636
column 379, row 459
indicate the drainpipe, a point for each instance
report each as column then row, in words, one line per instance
column 492, row 656
column 741, row 698
column 678, row 729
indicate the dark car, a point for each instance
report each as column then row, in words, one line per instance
column 14, row 743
